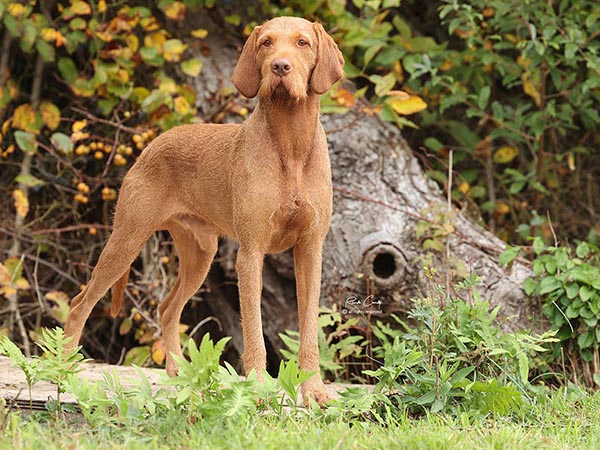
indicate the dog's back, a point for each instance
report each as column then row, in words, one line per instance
column 185, row 170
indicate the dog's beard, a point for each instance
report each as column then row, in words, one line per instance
column 282, row 88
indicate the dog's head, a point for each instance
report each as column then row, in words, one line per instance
column 288, row 56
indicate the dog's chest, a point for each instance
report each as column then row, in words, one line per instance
column 292, row 218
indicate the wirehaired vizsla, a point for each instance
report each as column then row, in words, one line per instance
column 265, row 183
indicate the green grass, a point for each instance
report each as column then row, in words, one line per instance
column 558, row 423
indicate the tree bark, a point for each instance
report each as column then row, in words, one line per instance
column 381, row 198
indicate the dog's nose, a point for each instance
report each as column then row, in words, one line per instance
column 281, row 66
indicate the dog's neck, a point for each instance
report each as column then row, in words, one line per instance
column 292, row 125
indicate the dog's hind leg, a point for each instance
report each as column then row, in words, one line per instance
column 122, row 248
column 196, row 247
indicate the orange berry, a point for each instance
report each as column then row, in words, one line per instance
column 120, row 160
column 98, row 155
column 93, row 231
column 80, row 198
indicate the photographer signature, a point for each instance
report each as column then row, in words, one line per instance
column 368, row 305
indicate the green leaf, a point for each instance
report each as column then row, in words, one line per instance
column 484, row 96
column 548, row 285
column 529, row 286
column 67, row 69
column 45, row 50
column 523, row 363
column 29, row 180
column 509, row 255
column 371, row 52
column 155, row 100
column 383, row 84
column 583, row 250
column 586, row 292
column 192, row 67
column 62, row 142
column 585, row 340
column 572, row 290
column 538, row 245
column 26, row 141
column 137, row 356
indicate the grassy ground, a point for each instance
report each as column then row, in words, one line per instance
column 558, row 423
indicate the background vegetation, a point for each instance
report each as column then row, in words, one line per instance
column 510, row 89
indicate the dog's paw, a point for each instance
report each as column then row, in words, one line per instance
column 172, row 368
column 317, row 391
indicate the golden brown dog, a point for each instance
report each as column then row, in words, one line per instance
column 265, row 183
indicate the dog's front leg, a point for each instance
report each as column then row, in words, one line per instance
column 307, row 266
column 249, row 267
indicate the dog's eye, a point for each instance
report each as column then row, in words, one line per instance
column 266, row 43
column 302, row 42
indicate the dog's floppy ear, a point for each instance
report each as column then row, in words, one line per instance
column 246, row 75
column 330, row 62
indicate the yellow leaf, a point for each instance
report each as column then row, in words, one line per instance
column 571, row 161
column 48, row 34
column 101, row 6
column 57, row 297
column 149, row 23
column 7, row 291
column 10, row 149
column 81, row 8
column 78, row 125
column 24, row 118
column 175, row 11
column 21, row 202
column 5, row 125
column 125, row 326
column 159, row 352
column 167, row 85
column 17, row 10
column 505, row 154
column 531, row 89
column 398, row 71
column 5, row 276
column 181, row 105
column 50, row 115
column 79, row 136
column 132, row 42
column 200, row 33
column 123, row 76
column 21, row 284
column 464, row 188
column 406, row 104
column 173, row 49
column 155, row 40
column 523, row 62
column 502, row 208
column 446, row 65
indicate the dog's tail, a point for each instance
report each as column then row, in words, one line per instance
column 118, row 293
